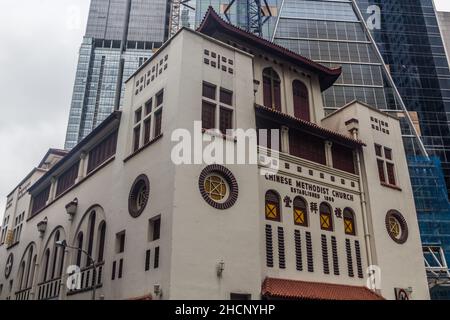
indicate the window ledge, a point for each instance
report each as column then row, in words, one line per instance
column 387, row 185
column 213, row 133
column 145, row 146
column 13, row 245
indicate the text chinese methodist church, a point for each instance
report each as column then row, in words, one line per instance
column 137, row 226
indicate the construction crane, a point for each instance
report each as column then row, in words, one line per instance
column 175, row 15
column 257, row 13
column 252, row 19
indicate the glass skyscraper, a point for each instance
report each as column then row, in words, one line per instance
column 120, row 36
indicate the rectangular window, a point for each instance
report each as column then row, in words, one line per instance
column 147, row 260
column 307, row 147
column 119, row 276
column 158, row 123
column 378, row 150
column 208, row 115
column 40, row 200
column 138, row 115
column 148, row 107
column 386, row 169
column 226, row 97
column 156, row 262
column 388, row 153
column 381, row 174
column 226, row 120
column 343, row 158
column 391, row 174
column 102, row 152
column 147, row 127
column 159, row 98
column 67, row 179
column 17, row 231
column 136, row 138
column 154, row 229
column 113, row 272
column 120, row 242
column 209, row 91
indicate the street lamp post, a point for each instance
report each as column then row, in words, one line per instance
column 64, row 245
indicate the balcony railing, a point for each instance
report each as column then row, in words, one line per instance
column 89, row 280
column 49, row 290
column 23, row 294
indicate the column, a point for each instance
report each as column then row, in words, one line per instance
column 328, row 153
column 284, row 139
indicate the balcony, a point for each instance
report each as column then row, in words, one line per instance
column 88, row 280
column 49, row 290
column 23, row 294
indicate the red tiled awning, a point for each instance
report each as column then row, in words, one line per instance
column 302, row 290
column 308, row 126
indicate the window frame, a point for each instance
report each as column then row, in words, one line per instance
column 271, row 78
column 296, row 207
column 276, row 203
column 349, row 214
column 329, row 214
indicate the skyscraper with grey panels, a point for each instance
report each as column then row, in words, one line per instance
column 120, row 36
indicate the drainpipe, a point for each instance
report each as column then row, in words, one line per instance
column 367, row 235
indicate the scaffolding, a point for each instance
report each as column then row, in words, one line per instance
column 256, row 14
column 433, row 213
column 175, row 22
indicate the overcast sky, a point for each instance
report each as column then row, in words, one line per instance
column 39, row 40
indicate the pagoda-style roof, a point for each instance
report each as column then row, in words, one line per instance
column 214, row 26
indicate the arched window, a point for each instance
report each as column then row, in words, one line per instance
column 326, row 218
column 61, row 263
column 46, row 265
column 33, row 270
column 300, row 212
column 301, row 100
column 80, row 247
column 21, row 275
column 272, row 89
column 272, row 207
column 55, row 255
column 349, row 222
column 91, row 229
column 101, row 241
column 29, row 267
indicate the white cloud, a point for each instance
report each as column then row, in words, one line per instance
column 442, row 5
column 40, row 42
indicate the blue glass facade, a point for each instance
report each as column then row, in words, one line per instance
column 120, row 36
column 411, row 44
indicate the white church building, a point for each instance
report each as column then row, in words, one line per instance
column 130, row 214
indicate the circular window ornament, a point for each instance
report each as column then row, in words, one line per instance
column 9, row 265
column 397, row 227
column 218, row 187
column 139, row 195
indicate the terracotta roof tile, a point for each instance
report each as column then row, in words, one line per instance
column 311, row 127
column 302, row 290
column 212, row 20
